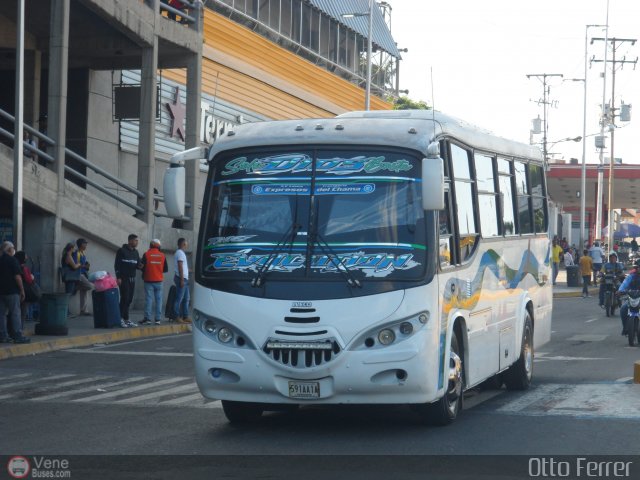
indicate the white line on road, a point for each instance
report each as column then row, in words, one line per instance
column 190, row 387
column 126, row 352
column 181, row 400
column 33, row 380
column 131, row 342
column 137, row 388
column 92, row 388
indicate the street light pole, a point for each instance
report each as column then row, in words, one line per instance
column 598, row 229
column 583, row 176
column 367, row 98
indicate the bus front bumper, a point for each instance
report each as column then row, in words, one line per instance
column 401, row 374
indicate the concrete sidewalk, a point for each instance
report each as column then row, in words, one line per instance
column 82, row 333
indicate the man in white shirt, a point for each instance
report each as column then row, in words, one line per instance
column 181, row 281
column 568, row 259
column 597, row 255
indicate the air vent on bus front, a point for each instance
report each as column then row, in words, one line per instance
column 302, row 319
column 302, row 354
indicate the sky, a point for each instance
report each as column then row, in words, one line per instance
column 480, row 53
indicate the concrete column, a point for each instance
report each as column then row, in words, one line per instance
column 194, row 100
column 146, row 148
column 57, row 128
column 194, row 89
column 32, row 78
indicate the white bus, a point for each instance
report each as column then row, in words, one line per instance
column 395, row 257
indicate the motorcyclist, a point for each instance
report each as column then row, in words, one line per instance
column 632, row 282
column 611, row 267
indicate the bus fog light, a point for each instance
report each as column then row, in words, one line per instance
column 215, row 373
column 225, row 335
column 209, row 326
column 424, row 317
column 386, row 336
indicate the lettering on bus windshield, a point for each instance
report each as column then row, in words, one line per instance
column 300, row 163
column 370, row 264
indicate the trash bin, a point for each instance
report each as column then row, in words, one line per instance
column 573, row 276
column 106, row 308
column 53, row 314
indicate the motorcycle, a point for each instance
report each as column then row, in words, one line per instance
column 611, row 283
column 633, row 317
column 632, row 322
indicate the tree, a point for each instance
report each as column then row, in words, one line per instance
column 405, row 103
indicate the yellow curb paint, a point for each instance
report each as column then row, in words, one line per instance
column 85, row 340
column 636, row 372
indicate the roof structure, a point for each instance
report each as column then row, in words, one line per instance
column 381, row 36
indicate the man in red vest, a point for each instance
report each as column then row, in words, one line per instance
column 154, row 266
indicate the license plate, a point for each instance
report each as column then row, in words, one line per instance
column 304, row 389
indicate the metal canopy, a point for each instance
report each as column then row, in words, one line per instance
column 381, row 35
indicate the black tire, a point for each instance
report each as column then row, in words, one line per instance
column 607, row 304
column 445, row 410
column 632, row 331
column 241, row 412
column 518, row 376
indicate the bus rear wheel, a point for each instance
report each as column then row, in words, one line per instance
column 445, row 410
column 241, row 412
column 518, row 376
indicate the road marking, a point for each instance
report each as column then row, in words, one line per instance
column 592, row 320
column 191, row 387
column 18, row 375
column 125, row 352
column 131, row 342
column 32, row 380
column 92, row 388
column 613, row 400
column 137, row 388
column 587, row 338
column 565, row 359
column 181, row 400
column 624, row 380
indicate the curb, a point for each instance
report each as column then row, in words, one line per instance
column 119, row 335
column 576, row 293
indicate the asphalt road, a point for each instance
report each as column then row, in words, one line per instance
column 139, row 398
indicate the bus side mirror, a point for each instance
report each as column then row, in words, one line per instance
column 174, row 182
column 174, row 191
column 432, row 184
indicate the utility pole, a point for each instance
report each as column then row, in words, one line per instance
column 610, row 119
column 546, row 90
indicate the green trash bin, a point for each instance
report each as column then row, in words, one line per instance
column 53, row 314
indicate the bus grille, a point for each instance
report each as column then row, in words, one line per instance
column 304, row 354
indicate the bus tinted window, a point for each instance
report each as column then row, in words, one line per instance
column 508, row 217
column 488, row 215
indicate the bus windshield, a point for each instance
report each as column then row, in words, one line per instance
column 315, row 214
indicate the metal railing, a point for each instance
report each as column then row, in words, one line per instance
column 74, row 173
column 185, row 16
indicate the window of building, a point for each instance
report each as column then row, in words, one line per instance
column 315, row 30
column 325, row 25
column 263, row 11
column 333, row 42
column 296, row 18
column 285, row 18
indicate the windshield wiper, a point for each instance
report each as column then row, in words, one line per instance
column 336, row 261
column 258, row 280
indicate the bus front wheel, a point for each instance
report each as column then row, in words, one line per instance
column 518, row 376
column 445, row 410
column 241, row 412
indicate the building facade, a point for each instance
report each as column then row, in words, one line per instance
column 112, row 88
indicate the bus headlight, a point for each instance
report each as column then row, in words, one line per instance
column 225, row 335
column 391, row 333
column 386, row 336
column 220, row 331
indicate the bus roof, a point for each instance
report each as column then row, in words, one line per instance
column 413, row 129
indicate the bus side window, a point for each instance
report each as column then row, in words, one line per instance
column 507, row 197
column 523, row 194
column 463, row 199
